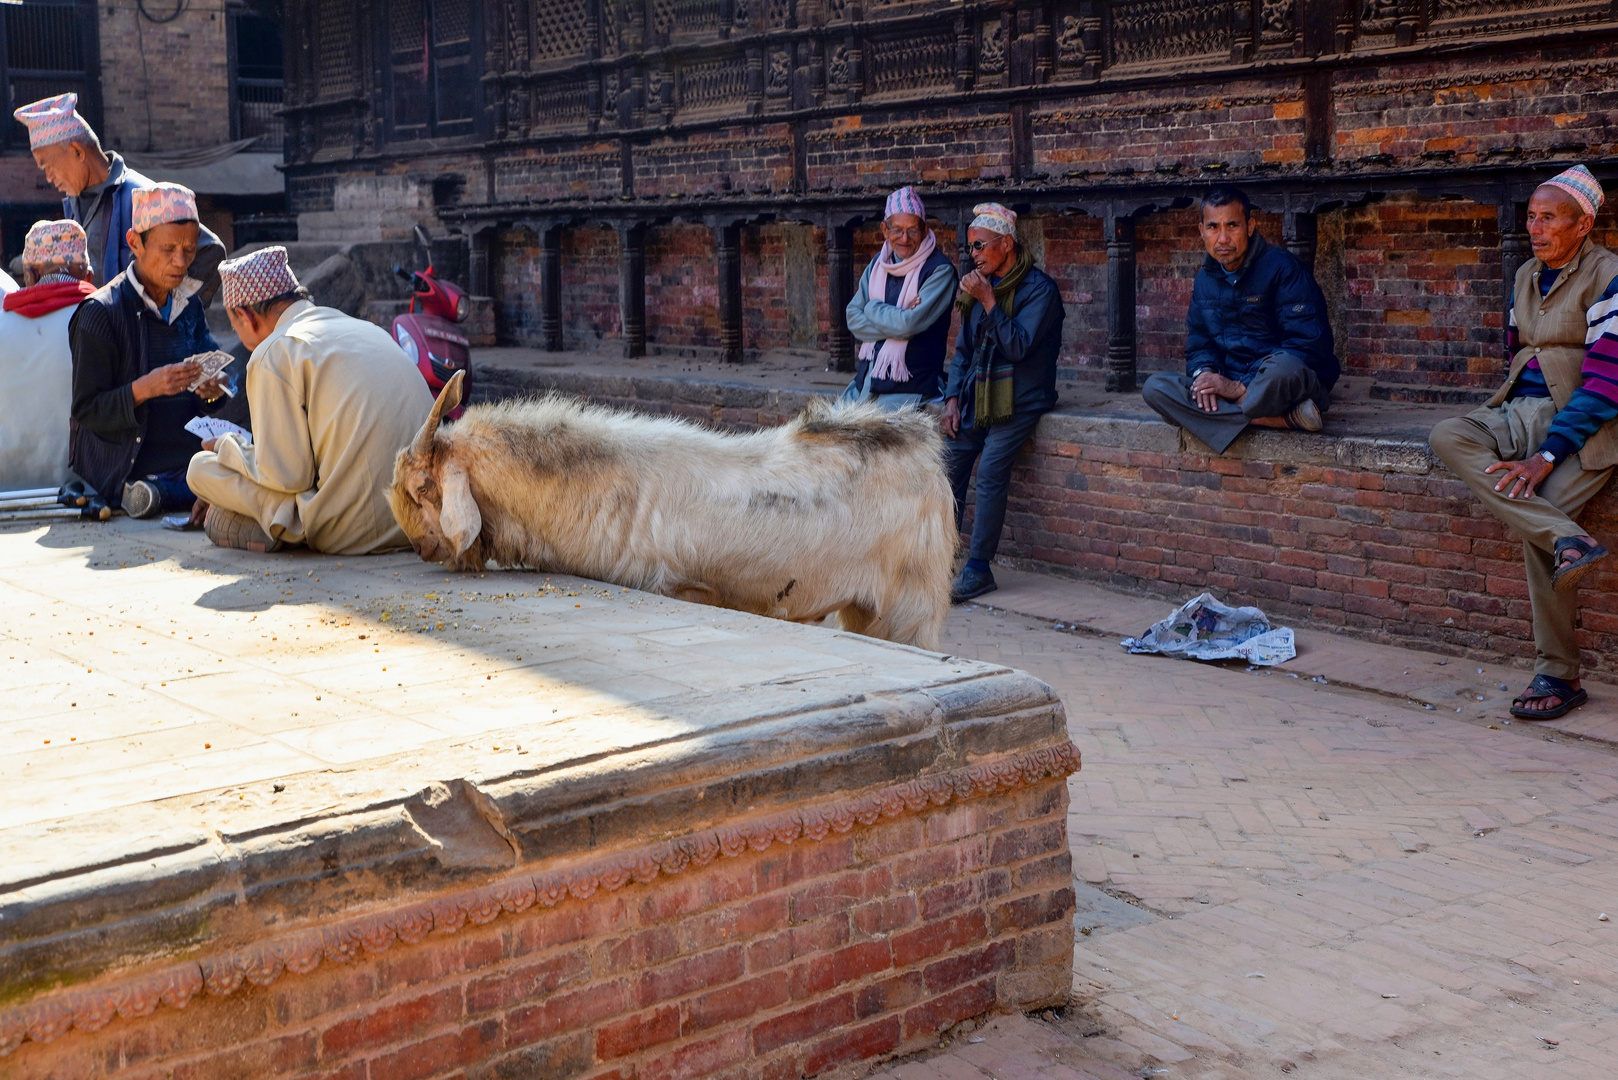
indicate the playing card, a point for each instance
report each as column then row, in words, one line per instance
column 212, row 364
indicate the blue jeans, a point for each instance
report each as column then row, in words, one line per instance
column 173, row 493
column 993, row 449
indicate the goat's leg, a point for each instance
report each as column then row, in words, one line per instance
column 855, row 618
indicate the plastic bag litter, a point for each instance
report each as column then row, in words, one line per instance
column 1205, row 629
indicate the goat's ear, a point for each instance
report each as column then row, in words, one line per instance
column 458, row 516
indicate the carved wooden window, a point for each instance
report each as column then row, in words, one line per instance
column 561, row 30
column 433, row 70
column 336, row 52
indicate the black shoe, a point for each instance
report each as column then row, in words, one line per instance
column 971, row 583
column 141, row 499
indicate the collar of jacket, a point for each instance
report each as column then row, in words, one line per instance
column 1256, row 245
column 1566, row 270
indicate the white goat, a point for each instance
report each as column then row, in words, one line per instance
column 842, row 510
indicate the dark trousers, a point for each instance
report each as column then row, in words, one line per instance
column 174, row 494
column 1281, row 383
column 993, row 449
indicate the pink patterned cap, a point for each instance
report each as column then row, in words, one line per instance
column 995, row 218
column 56, row 246
column 904, row 201
column 161, row 204
column 1580, row 183
column 53, row 120
column 256, row 277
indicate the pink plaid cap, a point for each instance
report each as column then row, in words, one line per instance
column 161, row 204
column 53, row 120
column 904, row 201
column 256, row 277
column 54, row 246
column 995, row 218
column 1580, row 183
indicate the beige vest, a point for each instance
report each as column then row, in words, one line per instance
column 1553, row 328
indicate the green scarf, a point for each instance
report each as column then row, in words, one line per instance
column 992, row 392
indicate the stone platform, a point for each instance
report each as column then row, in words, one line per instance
column 1358, row 529
column 291, row 815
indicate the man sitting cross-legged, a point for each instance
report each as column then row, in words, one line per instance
column 1258, row 346
column 1546, row 443
column 333, row 401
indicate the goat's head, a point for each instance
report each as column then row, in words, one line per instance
column 431, row 496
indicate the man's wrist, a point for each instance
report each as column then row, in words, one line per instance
column 1556, row 449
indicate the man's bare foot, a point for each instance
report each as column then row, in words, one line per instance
column 1268, row 421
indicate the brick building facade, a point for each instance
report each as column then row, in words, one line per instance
column 673, row 175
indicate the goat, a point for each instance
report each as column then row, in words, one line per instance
column 842, row 510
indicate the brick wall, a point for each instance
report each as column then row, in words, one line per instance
column 797, row 961
column 164, row 86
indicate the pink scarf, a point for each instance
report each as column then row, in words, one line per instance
column 890, row 361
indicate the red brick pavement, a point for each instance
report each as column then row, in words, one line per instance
column 1327, row 882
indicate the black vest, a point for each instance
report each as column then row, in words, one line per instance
column 925, row 354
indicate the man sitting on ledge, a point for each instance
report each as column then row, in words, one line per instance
column 333, row 401
column 1549, row 430
column 1258, row 346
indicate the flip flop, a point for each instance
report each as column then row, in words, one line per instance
column 1567, row 578
column 1545, row 686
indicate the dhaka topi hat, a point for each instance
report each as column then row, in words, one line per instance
column 256, row 277
column 55, row 247
column 1584, row 187
column 904, row 201
column 995, row 218
column 161, row 204
column 53, row 120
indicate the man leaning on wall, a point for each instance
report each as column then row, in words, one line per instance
column 1258, row 345
column 1546, row 442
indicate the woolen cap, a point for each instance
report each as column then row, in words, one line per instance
column 995, row 218
column 904, row 201
column 256, row 277
column 1580, row 183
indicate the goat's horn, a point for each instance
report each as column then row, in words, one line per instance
column 448, row 398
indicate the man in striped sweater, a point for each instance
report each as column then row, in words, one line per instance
column 1546, row 443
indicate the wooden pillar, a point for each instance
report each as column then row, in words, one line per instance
column 728, row 257
column 1299, row 231
column 632, row 288
column 550, row 286
column 840, row 275
column 1119, row 230
column 1514, row 251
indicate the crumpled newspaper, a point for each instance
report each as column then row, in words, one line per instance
column 1205, row 629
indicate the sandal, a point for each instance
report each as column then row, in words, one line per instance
column 1545, row 686
column 1567, row 576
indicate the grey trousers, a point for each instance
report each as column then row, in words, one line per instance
column 1283, row 381
column 1510, row 432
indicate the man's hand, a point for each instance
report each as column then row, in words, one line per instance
column 199, row 511
column 165, row 381
column 1522, row 477
column 210, row 444
column 950, row 422
column 1209, row 387
column 211, row 390
column 978, row 287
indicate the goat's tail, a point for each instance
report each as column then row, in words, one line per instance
column 868, row 427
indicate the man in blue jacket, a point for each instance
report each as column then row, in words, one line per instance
column 1002, row 379
column 1258, row 346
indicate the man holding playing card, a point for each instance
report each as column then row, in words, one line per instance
column 135, row 374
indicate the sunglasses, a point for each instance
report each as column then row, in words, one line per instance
column 978, row 245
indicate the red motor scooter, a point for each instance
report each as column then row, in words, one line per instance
column 428, row 333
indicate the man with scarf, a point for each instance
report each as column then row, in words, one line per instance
column 98, row 190
column 1002, row 379
column 900, row 313
column 37, row 359
column 133, row 341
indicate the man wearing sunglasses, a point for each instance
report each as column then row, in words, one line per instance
column 1002, row 379
column 900, row 312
